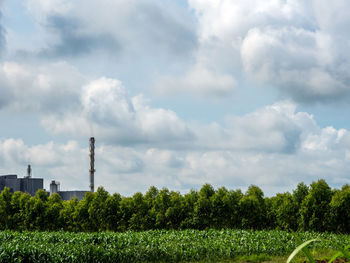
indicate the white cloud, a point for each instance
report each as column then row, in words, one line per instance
column 43, row 88
column 321, row 153
column 41, row 9
column 231, row 20
column 109, row 113
column 296, row 46
column 275, row 128
column 299, row 47
column 274, row 147
column 198, row 80
column 134, row 30
column 115, row 117
column 289, row 58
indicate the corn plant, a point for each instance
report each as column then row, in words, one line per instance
column 343, row 251
column 155, row 245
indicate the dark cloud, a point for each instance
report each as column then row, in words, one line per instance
column 74, row 41
column 138, row 28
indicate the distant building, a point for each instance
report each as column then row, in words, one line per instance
column 32, row 185
column 66, row 195
column 26, row 184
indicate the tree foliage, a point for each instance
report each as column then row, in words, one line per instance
column 316, row 208
column 340, row 210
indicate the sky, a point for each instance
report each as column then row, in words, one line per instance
column 177, row 93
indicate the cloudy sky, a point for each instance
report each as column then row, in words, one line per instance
column 178, row 93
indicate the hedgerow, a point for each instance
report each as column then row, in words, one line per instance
column 308, row 208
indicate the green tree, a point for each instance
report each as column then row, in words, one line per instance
column 36, row 209
column 161, row 205
column 26, row 203
column 225, row 208
column 82, row 216
column 126, row 212
column 220, row 209
column 175, row 213
column 203, row 207
column 52, row 213
column 315, row 207
column 189, row 201
column 232, row 200
column 98, row 210
column 286, row 211
column 67, row 216
column 6, row 211
column 340, row 210
column 112, row 216
column 17, row 221
column 271, row 222
column 138, row 220
column 300, row 193
column 150, row 198
column 252, row 208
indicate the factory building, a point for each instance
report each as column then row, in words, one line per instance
column 66, row 195
column 32, row 185
column 27, row 184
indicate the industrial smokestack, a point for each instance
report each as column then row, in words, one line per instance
column 92, row 163
column 29, row 171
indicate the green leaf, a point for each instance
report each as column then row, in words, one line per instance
column 345, row 253
column 335, row 257
column 303, row 248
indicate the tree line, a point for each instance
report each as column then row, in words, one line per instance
column 314, row 208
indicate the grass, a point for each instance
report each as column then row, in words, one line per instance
column 342, row 251
column 262, row 258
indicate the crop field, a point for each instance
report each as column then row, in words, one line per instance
column 154, row 246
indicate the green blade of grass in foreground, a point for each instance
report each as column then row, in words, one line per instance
column 345, row 252
column 335, row 257
column 303, row 247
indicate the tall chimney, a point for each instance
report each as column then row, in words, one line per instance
column 29, row 171
column 92, row 163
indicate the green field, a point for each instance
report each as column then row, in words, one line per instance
column 156, row 246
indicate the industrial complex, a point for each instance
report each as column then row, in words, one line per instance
column 32, row 185
column 27, row 184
